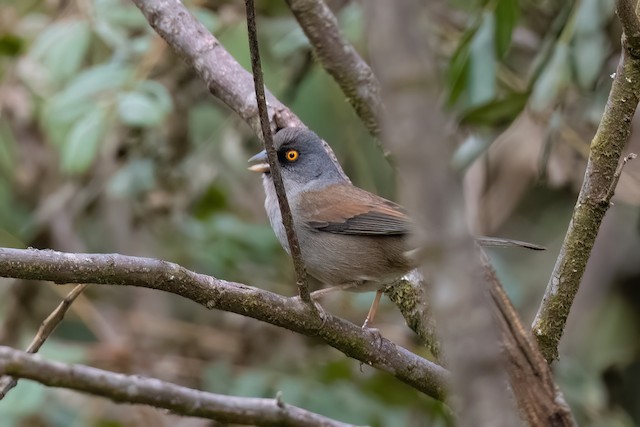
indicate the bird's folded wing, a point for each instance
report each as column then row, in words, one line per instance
column 345, row 209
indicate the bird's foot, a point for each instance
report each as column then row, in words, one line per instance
column 318, row 310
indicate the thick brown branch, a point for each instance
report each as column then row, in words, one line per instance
column 223, row 75
column 289, row 313
column 595, row 194
column 160, row 394
column 340, row 59
column 274, row 165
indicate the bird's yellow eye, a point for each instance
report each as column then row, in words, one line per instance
column 291, row 155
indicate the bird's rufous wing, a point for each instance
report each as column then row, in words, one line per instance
column 345, row 209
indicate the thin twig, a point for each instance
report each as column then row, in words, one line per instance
column 597, row 189
column 289, row 313
column 161, row 394
column 617, row 175
column 274, row 167
column 45, row 330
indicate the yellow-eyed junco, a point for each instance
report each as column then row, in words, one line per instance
column 350, row 239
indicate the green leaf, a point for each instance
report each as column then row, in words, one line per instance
column 147, row 106
column 139, row 110
column 81, row 147
column 457, row 72
column 506, row 14
column 64, row 109
column 588, row 54
column 553, row 79
column 133, row 179
column 97, row 79
column 497, row 111
column 482, row 62
column 61, row 48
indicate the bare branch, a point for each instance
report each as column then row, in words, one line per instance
column 274, row 166
column 341, row 60
column 223, row 75
column 540, row 401
column 46, row 329
column 289, row 313
column 160, row 394
column 595, row 194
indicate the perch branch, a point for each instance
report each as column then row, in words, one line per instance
column 44, row 331
column 274, row 166
column 289, row 313
column 595, row 194
column 150, row 391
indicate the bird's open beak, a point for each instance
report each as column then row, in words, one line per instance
column 261, row 162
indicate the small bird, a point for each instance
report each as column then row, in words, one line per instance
column 350, row 239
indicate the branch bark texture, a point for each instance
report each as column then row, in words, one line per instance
column 597, row 189
column 340, row 59
column 223, row 75
column 160, row 394
column 289, row 313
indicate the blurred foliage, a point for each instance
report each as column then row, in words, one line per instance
column 109, row 143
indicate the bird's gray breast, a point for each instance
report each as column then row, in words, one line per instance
column 272, row 208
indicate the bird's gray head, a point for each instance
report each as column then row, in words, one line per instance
column 302, row 157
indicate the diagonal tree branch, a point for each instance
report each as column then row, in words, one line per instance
column 540, row 401
column 340, row 59
column 223, row 75
column 160, row 394
column 289, row 313
column 595, row 195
